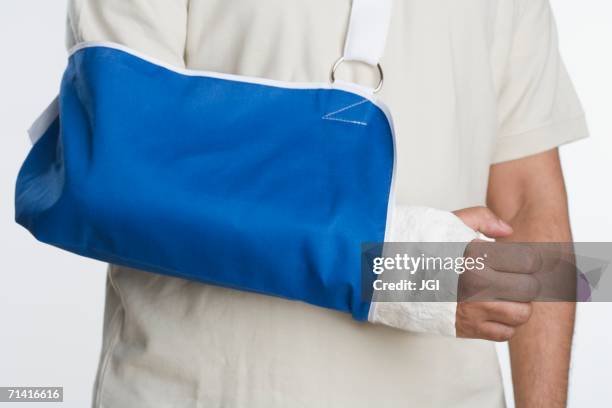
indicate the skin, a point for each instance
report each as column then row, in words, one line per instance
column 540, row 333
column 536, row 208
column 488, row 319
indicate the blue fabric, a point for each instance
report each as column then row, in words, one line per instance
column 249, row 186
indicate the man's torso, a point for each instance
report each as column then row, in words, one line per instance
column 170, row 342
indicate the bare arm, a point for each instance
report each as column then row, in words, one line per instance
column 530, row 195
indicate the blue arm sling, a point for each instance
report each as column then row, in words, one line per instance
column 252, row 184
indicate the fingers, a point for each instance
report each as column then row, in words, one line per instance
column 494, row 331
column 507, row 257
column 515, row 258
column 494, row 321
column 484, row 220
column 491, row 285
column 514, row 287
column 509, row 313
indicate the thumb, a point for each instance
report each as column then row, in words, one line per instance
column 483, row 220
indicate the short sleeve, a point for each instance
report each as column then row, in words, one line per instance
column 538, row 108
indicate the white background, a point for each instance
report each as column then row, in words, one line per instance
column 51, row 302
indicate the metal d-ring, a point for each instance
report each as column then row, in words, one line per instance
column 332, row 76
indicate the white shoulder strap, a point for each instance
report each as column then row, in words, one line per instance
column 367, row 32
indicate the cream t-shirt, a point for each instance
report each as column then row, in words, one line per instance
column 469, row 83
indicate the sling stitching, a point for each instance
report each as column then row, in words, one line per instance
column 330, row 115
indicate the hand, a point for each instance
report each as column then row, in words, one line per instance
column 495, row 300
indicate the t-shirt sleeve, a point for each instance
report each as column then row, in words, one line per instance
column 537, row 105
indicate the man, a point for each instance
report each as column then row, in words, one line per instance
column 480, row 100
